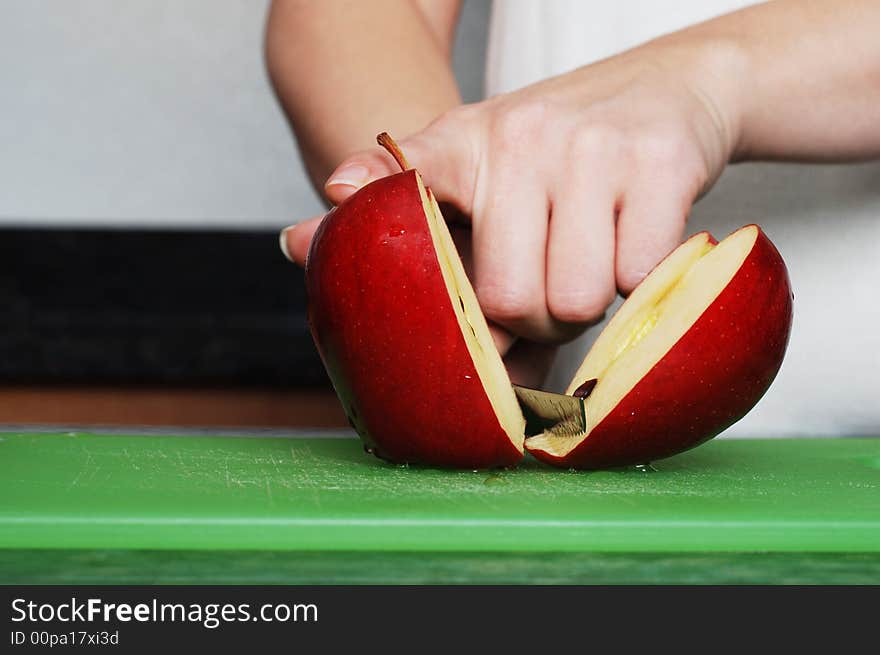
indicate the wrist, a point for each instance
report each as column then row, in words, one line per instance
column 717, row 72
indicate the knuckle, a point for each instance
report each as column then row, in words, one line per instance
column 597, row 140
column 462, row 114
column 453, row 121
column 504, row 304
column 579, row 305
column 630, row 276
column 446, row 153
column 627, row 281
column 521, row 120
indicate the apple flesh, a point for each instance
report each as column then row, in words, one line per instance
column 400, row 332
column 689, row 353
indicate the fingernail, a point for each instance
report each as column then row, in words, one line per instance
column 282, row 241
column 355, row 175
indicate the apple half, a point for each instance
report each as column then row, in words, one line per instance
column 409, row 353
column 401, row 334
column 689, row 353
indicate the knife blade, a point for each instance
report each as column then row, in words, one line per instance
column 545, row 411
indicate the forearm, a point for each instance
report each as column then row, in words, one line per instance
column 346, row 71
column 805, row 83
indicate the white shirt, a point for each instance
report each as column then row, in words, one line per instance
column 824, row 219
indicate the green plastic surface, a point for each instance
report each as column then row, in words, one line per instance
column 415, row 567
column 83, row 491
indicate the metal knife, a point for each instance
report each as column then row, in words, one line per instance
column 551, row 412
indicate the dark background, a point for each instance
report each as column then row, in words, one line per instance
column 152, row 307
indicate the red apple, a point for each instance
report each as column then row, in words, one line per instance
column 688, row 354
column 401, row 334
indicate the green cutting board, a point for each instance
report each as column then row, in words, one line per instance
column 76, row 492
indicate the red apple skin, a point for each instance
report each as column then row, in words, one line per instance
column 386, row 331
column 713, row 375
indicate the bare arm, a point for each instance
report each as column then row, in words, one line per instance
column 345, row 70
column 801, row 79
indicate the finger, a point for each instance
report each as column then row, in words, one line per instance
column 651, row 224
column 296, row 239
column 528, row 363
column 509, row 248
column 461, row 237
column 358, row 170
column 442, row 154
column 503, row 339
column 580, row 248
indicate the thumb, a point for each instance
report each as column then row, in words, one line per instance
column 295, row 240
column 353, row 173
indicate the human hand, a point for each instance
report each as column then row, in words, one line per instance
column 573, row 188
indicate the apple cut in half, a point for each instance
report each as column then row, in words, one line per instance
column 409, row 353
column 400, row 332
column 689, row 353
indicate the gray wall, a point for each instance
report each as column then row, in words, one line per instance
column 154, row 112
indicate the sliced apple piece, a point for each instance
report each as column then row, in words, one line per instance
column 690, row 352
column 401, row 334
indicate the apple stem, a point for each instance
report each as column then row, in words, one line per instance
column 391, row 146
column 585, row 389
